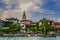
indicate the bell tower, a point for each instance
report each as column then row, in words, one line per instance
column 24, row 16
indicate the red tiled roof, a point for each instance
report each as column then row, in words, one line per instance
column 11, row 19
column 1, row 21
column 34, row 22
column 57, row 23
column 46, row 20
column 26, row 20
column 31, row 22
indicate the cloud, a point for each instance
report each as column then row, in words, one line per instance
column 58, row 20
column 8, row 7
column 22, row 5
column 29, row 6
column 58, row 3
column 1, row 11
column 11, row 13
column 14, row 13
column 22, row 1
column 9, row 1
column 5, row 15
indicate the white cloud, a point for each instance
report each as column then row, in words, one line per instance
column 8, row 7
column 9, row 1
column 28, row 7
column 23, row 5
column 5, row 15
column 1, row 11
column 22, row 1
column 14, row 13
column 58, row 20
column 11, row 13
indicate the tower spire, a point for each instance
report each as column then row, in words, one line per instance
column 44, row 18
column 24, row 16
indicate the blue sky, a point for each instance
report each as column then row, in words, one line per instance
column 35, row 9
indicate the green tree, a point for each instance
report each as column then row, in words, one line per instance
column 12, row 28
column 8, row 24
column 34, row 28
column 15, row 27
column 46, row 27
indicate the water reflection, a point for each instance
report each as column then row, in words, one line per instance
column 29, row 38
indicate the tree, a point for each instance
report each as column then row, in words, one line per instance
column 15, row 27
column 12, row 28
column 45, row 27
column 34, row 28
column 8, row 24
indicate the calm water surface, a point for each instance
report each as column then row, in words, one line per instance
column 29, row 38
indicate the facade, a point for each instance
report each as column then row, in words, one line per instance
column 51, row 22
column 1, row 23
column 14, row 20
column 24, row 20
column 26, row 24
column 57, row 24
column 57, row 27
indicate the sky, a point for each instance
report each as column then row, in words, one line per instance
column 34, row 9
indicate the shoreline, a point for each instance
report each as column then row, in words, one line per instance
column 26, row 35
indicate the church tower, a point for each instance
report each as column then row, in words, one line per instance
column 24, row 16
column 44, row 18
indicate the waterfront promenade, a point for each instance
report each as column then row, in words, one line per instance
column 27, row 35
column 30, row 38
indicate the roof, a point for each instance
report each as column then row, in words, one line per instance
column 1, row 21
column 34, row 22
column 57, row 23
column 26, row 20
column 31, row 22
column 46, row 20
column 11, row 18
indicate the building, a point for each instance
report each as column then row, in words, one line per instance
column 56, row 24
column 24, row 20
column 1, row 23
column 57, row 27
column 26, row 23
column 51, row 22
column 14, row 20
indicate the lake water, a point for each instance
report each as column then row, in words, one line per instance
column 29, row 38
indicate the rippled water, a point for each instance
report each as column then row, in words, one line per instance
column 29, row 38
